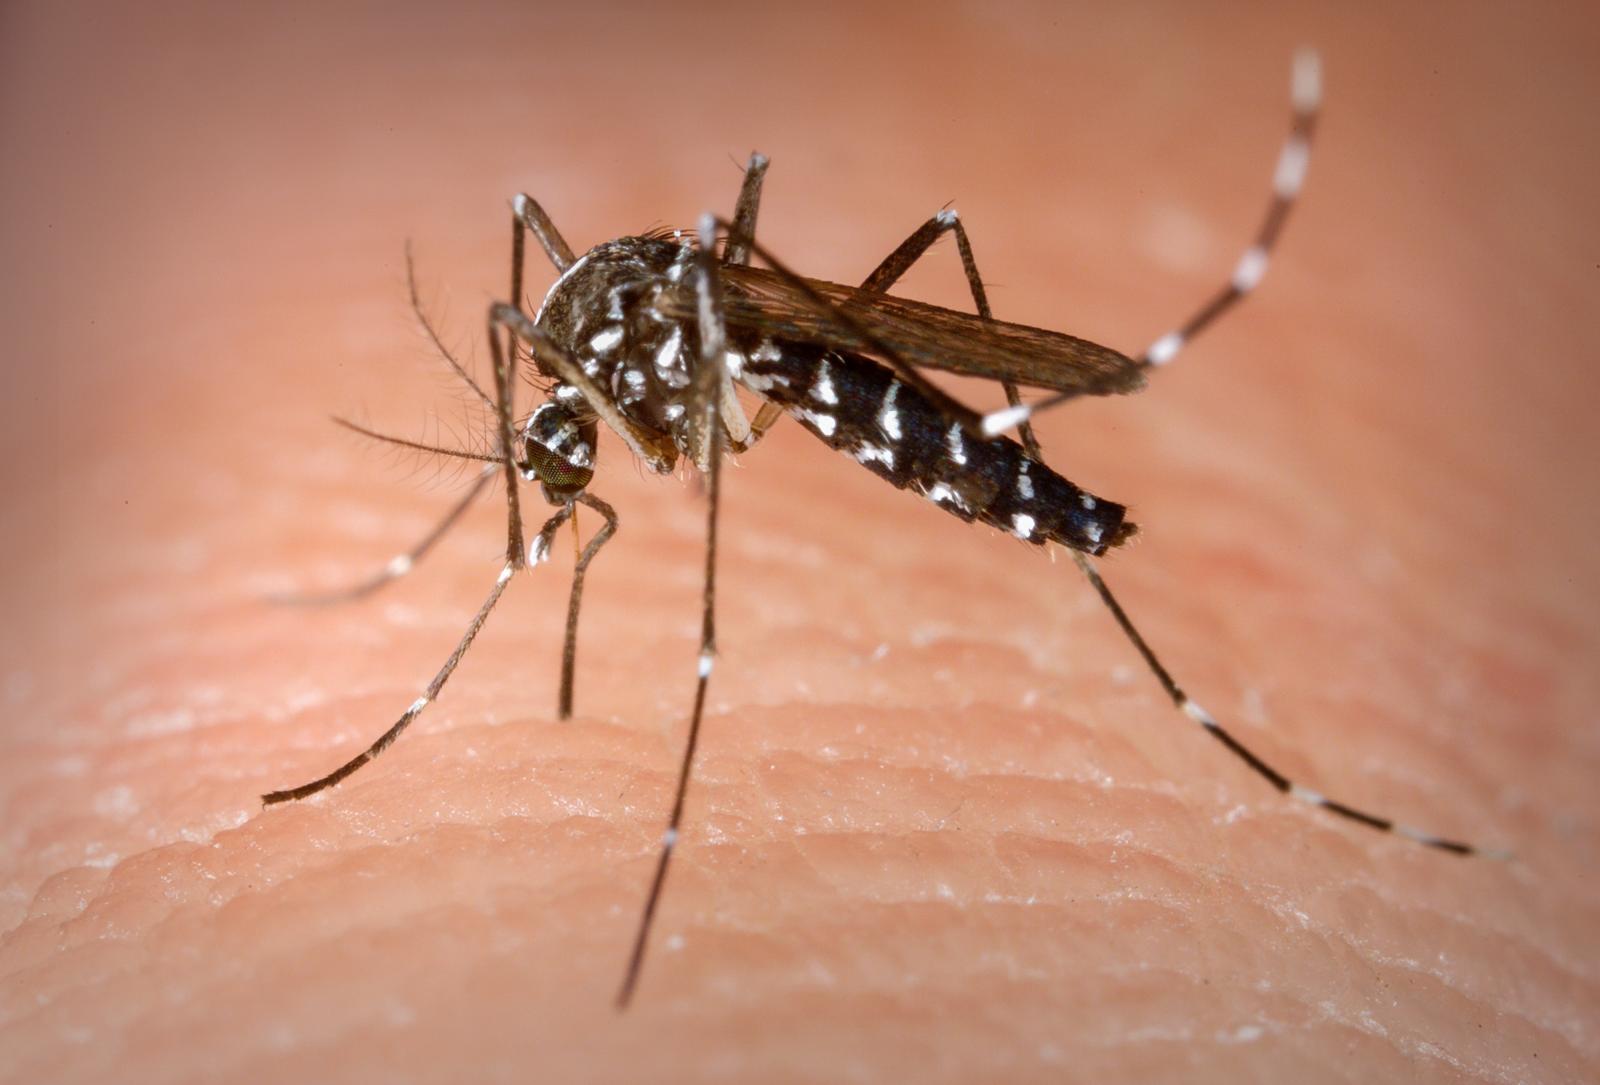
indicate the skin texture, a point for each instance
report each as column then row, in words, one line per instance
column 944, row 827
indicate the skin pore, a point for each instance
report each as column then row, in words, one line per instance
column 944, row 825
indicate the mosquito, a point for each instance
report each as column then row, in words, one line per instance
column 653, row 335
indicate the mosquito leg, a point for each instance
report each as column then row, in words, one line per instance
column 1189, row 708
column 1306, row 94
column 898, row 262
column 411, row 713
column 400, row 564
column 526, row 215
column 765, row 418
column 569, row 651
column 705, row 407
column 514, row 561
column 502, row 390
column 736, row 250
column 743, row 231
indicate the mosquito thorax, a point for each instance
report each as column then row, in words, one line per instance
column 557, row 451
column 603, row 310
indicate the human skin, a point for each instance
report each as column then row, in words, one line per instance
column 944, row 826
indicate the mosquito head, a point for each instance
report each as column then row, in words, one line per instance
column 557, row 450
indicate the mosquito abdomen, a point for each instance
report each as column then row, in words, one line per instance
column 862, row 409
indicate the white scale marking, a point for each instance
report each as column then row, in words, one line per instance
column 947, row 217
column 1252, row 266
column 603, row 340
column 1087, row 501
column 705, row 664
column 941, row 493
column 669, row 838
column 1024, row 483
column 1193, row 710
column 826, row 424
column 889, row 414
column 559, row 283
column 1305, row 794
column 667, row 353
column 418, row 705
column 869, row 453
column 1306, row 82
column 997, row 422
column 1166, row 348
column 958, row 449
column 1291, row 171
column 1022, row 525
column 822, row 390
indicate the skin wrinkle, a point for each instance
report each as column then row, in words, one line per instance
column 1366, row 551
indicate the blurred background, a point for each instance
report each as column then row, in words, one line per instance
column 204, row 214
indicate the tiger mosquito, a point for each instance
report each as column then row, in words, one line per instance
column 651, row 335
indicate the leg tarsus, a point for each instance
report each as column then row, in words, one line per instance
column 569, row 650
column 705, row 407
column 1182, row 702
column 411, row 713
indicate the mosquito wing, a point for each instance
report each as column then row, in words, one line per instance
column 771, row 305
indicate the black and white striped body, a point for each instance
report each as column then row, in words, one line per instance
column 603, row 310
column 861, row 409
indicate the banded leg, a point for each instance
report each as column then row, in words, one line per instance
column 400, row 564
column 1190, row 708
column 898, row 262
column 410, row 714
column 542, row 544
column 1306, row 95
column 514, row 561
column 569, row 649
column 708, row 449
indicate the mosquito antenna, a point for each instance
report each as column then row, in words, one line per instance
column 433, row 334
column 418, row 446
column 708, row 397
column 401, row 564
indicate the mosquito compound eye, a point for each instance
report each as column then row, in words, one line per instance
column 558, row 451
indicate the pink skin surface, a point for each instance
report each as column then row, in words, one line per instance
column 945, row 827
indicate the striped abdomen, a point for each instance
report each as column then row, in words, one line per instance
column 860, row 408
